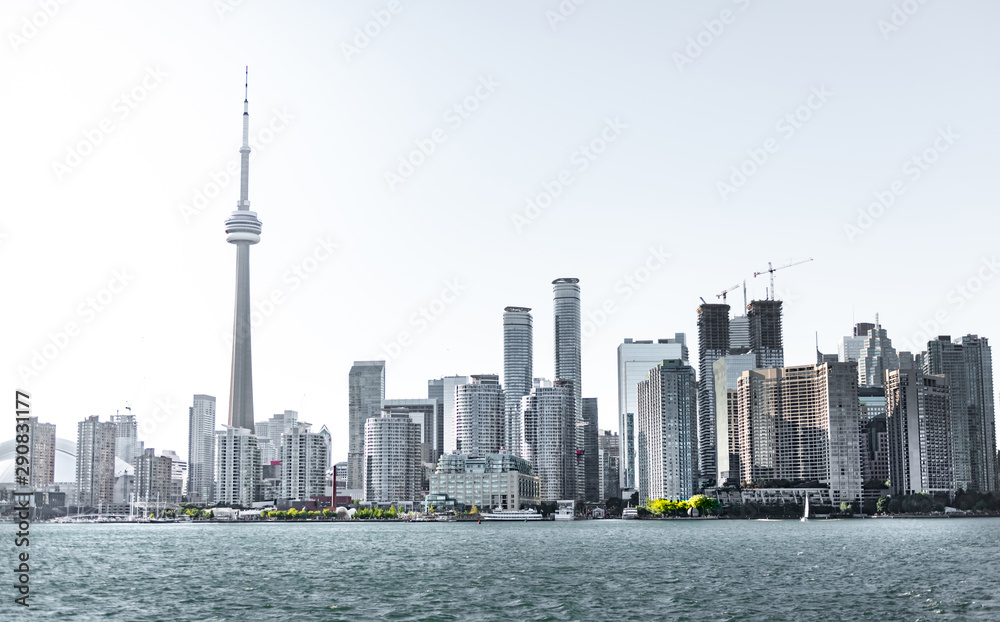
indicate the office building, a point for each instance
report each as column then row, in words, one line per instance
column 517, row 371
column 801, row 424
column 178, row 474
column 95, row 462
column 429, row 413
column 635, row 359
column 479, row 416
column 920, row 449
column 237, row 465
column 849, row 348
column 726, row 372
column 392, row 469
column 667, row 432
column 739, row 334
column 365, row 392
column 608, row 452
column 876, row 358
column 201, row 449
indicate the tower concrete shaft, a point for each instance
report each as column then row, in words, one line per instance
column 242, row 229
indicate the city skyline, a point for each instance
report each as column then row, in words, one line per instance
column 900, row 117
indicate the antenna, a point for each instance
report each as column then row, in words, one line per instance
column 246, row 82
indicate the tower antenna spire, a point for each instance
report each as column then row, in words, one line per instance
column 246, row 81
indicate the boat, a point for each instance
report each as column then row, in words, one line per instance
column 565, row 510
column 630, row 513
column 511, row 515
column 805, row 514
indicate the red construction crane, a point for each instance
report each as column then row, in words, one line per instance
column 772, row 270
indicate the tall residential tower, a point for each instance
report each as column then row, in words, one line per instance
column 517, row 370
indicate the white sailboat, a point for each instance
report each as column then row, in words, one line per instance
column 805, row 514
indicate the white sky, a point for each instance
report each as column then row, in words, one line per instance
column 344, row 120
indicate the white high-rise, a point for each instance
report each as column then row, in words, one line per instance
column 479, row 416
column 635, row 359
column 392, row 469
column 517, row 371
column 566, row 307
column 237, row 460
column 201, row 450
column 548, row 438
column 667, row 432
column 305, row 457
column 365, row 392
column 448, row 385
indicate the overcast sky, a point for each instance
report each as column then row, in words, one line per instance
column 455, row 160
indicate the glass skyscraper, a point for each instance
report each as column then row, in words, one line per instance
column 517, row 371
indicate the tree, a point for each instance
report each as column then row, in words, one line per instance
column 846, row 507
column 474, row 510
column 895, row 505
column 882, row 506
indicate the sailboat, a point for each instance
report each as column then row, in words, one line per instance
column 805, row 514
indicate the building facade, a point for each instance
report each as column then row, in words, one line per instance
column 95, row 462
column 608, row 452
column 765, row 333
column 201, row 449
column 713, row 344
column 920, row 448
column 587, row 457
column 479, row 416
column 365, row 392
column 548, row 438
column 237, row 463
column 667, row 431
column 154, row 480
column 43, row 453
column 518, row 354
column 127, row 445
column 492, row 481
column 305, row 458
column 801, row 424
column 635, row 359
column 568, row 336
column 392, row 469
column 876, row 358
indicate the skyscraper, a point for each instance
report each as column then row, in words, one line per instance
column 127, row 446
column 726, row 372
column 392, row 470
column 765, row 333
column 43, row 453
column 242, row 229
column 305, row 457
column 566, row 305
column 447, row 388
column 479, row 416
column 365, row 392
column 609, row 450
column 548, row 438
column 95, row 462
column 918, row 408
column 877, row 356
column 588, row 460
column 430, row 415
column 713, row 344
column 849, row 348
column 269, row 434
column 801, row 424
column 153, row 479
column 667, row 431
column 517, row 371
column 238, row 466
column 201, row 449
column 635, row 359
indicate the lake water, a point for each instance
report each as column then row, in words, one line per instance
column 886, row 569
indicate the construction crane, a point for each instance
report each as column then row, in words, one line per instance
column 726, row 291
column 772, row 270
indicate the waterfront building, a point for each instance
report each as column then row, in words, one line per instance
column 588, row 459
column 201, row 449
column 726, row 372
column 479, row 416
column 305, row 457
column 242, row 229
column 713, row 344
column 127, row 445
column 43, row 453
column 877, row 357
column 518, row 354
column 95, row 462
column 874, row 435
column 635, row 359
column 608, row 452
column 237, row 466
column 667, row 432
column 548, row 438
column 491, row 481
column 967, row 363
column 920, row 448
column 801, row 424
column 154, row 479
column 365, row 392
column 765, row 333
column 567, row 329
column 178, row 474
column 392, row 469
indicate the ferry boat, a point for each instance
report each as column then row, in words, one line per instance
column 565, row 509
column 630, row 513
column 511, row 515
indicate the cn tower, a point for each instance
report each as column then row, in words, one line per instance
column 242, row 229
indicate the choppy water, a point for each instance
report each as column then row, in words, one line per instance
column 947, row 569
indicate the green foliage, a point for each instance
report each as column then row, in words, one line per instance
column 882, row 506
column 668, row 507
column 374, row 513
